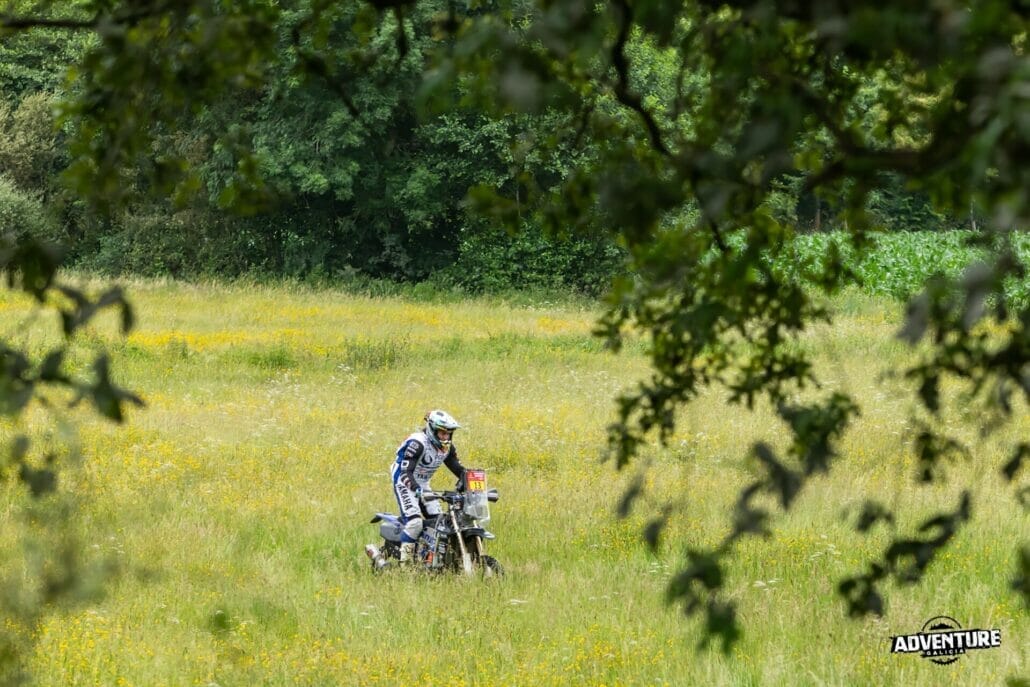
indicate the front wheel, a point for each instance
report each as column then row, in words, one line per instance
column 491, row 568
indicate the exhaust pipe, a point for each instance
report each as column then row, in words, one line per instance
column 378, row 559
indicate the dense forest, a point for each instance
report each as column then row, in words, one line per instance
column 289, row 177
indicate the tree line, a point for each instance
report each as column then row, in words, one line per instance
column 290, row 178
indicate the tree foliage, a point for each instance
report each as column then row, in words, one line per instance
column 840, row 103
column 314, row 144
column 317, row 132
column 848, row 99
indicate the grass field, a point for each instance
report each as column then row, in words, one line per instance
column 235, row 508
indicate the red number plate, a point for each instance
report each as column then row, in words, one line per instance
column 475, row 480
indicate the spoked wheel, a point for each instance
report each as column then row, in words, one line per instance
column 491, row 568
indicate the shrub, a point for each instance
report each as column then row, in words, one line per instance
column 22, row 214
column 493, row 261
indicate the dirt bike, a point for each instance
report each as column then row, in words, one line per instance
column 450, row 541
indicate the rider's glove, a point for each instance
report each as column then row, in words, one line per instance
column 418, row 493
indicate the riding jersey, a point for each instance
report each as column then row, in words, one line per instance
column 418, row 460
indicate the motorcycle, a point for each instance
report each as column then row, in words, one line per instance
column 450, row 541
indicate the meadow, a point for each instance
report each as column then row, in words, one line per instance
column 232, row 510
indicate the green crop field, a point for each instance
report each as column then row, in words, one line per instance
column 233, row 510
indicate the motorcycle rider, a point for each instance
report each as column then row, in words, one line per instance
column 418, row 458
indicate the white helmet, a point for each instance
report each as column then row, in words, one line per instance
column 437, row 420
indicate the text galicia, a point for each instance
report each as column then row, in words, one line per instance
column 946, row 643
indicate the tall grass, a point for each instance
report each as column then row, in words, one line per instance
column 236, row 506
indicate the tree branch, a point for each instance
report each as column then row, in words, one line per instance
column 316, row 64
column 719, row 240
column 622, row 92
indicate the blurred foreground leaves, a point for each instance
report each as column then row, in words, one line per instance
column 44, row 566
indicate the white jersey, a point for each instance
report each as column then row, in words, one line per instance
column 417, row 457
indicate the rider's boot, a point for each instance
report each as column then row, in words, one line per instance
column 407, row 556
